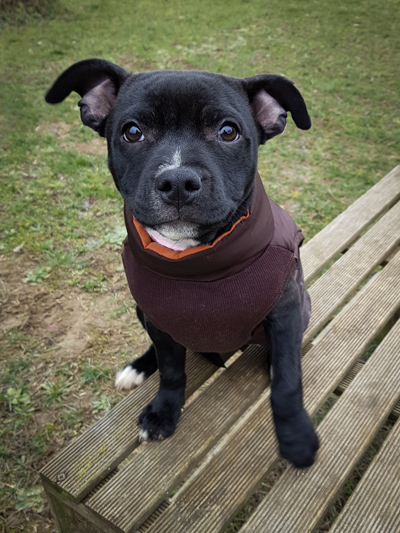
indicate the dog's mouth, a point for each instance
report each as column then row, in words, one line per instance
column 176, row 235
column 179, row 234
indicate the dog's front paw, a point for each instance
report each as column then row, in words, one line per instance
column 160, row 417
column 298, row 442
column 129, row 378
column 139, row 370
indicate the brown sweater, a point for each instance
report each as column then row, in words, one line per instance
column 213, row 298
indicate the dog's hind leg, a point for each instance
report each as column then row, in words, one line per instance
column 139, row 369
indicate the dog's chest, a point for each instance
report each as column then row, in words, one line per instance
column 211, row 316
column 213, row 298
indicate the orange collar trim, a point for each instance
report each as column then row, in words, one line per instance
column 148, row 244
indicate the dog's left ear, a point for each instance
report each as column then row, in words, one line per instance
column 97, row 81
column 270, row 98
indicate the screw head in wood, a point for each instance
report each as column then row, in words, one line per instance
column 61, row 477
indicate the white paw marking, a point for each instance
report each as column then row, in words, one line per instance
column 143, row 435
column 128, row 378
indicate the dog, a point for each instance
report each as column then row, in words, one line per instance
column 211, row 261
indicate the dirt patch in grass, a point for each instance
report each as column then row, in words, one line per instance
column 66, row 317
column 61, row 347
column 95, row 147
column 62, row 131
column 56, row 129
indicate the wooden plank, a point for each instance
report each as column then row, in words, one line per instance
column 345, row 383
column 74, row 517
column 91, row 457
column 396, row 411
column 211, row 497
column 337, row 285
column 134, row 492
column 299, row 500
column 345, row 228
column 374, row 506
column 154, row 516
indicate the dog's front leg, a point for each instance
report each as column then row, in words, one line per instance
column 160, row 417
column 297, row 439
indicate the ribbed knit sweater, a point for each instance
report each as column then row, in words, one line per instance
column 213, row 298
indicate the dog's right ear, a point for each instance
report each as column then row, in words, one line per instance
column 270, row 97
column 97, row 81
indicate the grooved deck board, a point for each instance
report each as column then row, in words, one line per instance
column 344, row 384
column 374, row 506
column 150, row 474
column 209, row 500
column 154, row 516
column 299, row 499
column 91, row 457
column 396, row 410
column 337, row 285
column 345, row 228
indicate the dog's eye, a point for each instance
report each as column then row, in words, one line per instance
column 228, row 133
column 132, row 134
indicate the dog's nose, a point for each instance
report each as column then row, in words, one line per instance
column 178, row 186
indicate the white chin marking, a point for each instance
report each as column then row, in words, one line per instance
column 172, row 239
column 128, row 378
column 143, row 435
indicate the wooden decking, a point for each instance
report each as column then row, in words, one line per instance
column 225, row 444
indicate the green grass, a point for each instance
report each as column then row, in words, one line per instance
column 341, row 57
column 25, row 11
column 59, row 206
column 54, row 392
column 33, row 386
column 91, row 372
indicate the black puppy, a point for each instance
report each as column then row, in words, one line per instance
column 211, row 261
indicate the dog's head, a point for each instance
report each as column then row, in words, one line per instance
column 182, row 145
